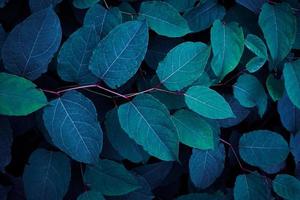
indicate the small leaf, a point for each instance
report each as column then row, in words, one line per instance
column 258, row 148
column 208, row 103
column 202, row 17
column 287, row 186
column 36, row 5
column 183, row 65
column 255, row 64
column 30, row 46
column 206, row 166
column 227, row 41
column 278, row 25
column 256, row 45
column 71, row 122
column 19, row 96
column 275, row 87
column 47, row 175
column 110, row 178
column 163, row 19
column 159, row 136
column 83, row 4
column 250, row 92
column 193, row 130
column 91, row 195
column 6, row 140
column 118, row 56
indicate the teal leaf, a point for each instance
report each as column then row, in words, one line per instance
column 6, row 140
column 255, row 64
column 83, row 4
column 110, row 178
column 102, row 19
column 72, row 124
column 36, row 5
column 202, row 196
column 47, row 175
column 256, row 45
column 250, row 92
column 193, row 130
column 19, row 96
column 275, row 87
column 30, row 46
column 74, row 56
column 183, row 65
column 128, row 12
column 202, row 16
column 118, row 56
column 227, row 42
column 258, row 148
column 91, row 195
column 251, row 186
column 278, row 25
column 205, row 166
column 291, row 74
column 119, row 139
column 294, row 146
column 180, row 5
column 297, row 39
column 208, row 103
column 145, row 113
column 287, row 187
column 164, row 19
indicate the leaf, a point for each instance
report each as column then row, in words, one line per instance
column 251, row 186
column 278, row 25
column 254, row 6
column 159, row 136
column 74, row 56
column 83, row 4
column 250, row 92
column 296, row 44
column 289, row 114
column 163, row 19
column 71, row 122
column 180, row 5
column 275, row 87
column 36, row 5
column 227, row 41
column 102, row 19
column 287, row 186
column 256, row 45
column 255, row 64
column 110, row 178
column 6, row 140
column 274, row 168
column 193, row 130
column 30, row 46
column 2, row 37
column 202, row 16
column 208, row 103
column 119, row 139
column 118, row 56
column 183, row 65
column 19, row 96
column 291, row 74
column 91, row 195
column 258, row 148
column 128, row 12
column 202, row 196
column 294, row 146
column 47, row 175
column 205, row 166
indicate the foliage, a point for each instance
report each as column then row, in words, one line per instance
column 149, row 99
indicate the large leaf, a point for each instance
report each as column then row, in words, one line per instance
column 110, row 178
column 30, row 46
column 183, row 65
column 47, row 175
column 83, row 4
column 250, row 92
column 206, row 166
column 91, row 195
column 259, row 147
column 208, row 103
column 148, row 123
column 164, row 19
column 202, row 16
column 36, row 5
column 251, row 186
column 227, row 41
column 6, row 140
column 74, row 56
column 287, row 186
column 193, row 130
column 278, row 24
column 291, row 74
column 19, row 96
column 71, row 122
column 119, row 55
column 102, row 19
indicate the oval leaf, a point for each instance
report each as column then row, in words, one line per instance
column 256, row 45
column 287, row 187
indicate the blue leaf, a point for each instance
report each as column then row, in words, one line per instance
column 274, row 169
column 71, row 121
column 6, row 139
column 206, row 166
column 30, row 46
column 36, row 5
column 119, row 55
column 295, row 147
column 253, row 5
column 2, row 37
column 47, row 175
